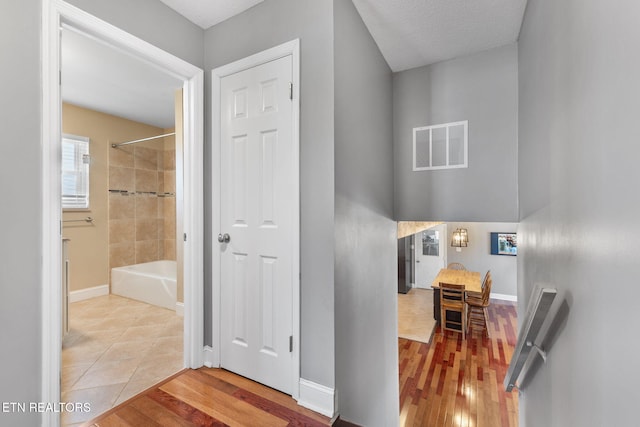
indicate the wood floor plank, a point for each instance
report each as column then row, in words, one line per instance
column 294, row 419
column 209, row 398
column 421, row 413
column 217, row 383
column 183, row 409
column 112, row 421
column 252, row 399
column 133, row 417
column 218, row 404
column 456, row 382
column 159, row 413
column 265, row 392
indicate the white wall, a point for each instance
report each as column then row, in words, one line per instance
column 477, row 256
column 153, row 21
column 481, row 88
column 578, row 162
column 365, row 232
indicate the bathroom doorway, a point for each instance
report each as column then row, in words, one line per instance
column 122, row 141
column 111, row 314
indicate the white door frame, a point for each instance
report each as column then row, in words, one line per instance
column 54, row 14
column 290, row 48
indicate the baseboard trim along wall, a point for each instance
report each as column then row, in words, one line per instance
column 88, row 293
column 207, row 354
column 317, row 397
column 504, row 297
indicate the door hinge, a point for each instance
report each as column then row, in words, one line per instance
column 290, row 90
column 290, row 343
column 185, row 237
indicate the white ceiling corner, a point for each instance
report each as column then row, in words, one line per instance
column 207, row 13
column 413, row 33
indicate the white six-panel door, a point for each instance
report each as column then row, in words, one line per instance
column 257, row 171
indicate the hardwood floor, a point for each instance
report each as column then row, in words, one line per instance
column 450, row 382
column 209, row 397
column 455, row 382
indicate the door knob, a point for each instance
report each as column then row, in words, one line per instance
column 224, row 238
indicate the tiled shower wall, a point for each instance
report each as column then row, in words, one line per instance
column 142, row 203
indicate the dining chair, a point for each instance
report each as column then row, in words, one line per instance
column 456, row 266
column 453, row 310
column 478, row 304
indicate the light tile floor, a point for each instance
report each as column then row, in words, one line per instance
column 415, row 315
column 116, row 348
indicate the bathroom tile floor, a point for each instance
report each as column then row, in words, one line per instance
column 116, row 347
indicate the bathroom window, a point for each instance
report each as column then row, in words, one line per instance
column 75, row 172
column 441, row 146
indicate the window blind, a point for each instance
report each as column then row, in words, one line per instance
column 75, row 172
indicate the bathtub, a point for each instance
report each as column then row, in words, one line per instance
column 151, row 282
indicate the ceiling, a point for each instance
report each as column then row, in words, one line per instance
column 101, row 78
column 413, row 33
column 207, row 13
column 409, row 33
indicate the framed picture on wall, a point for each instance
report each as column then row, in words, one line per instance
column 431, row 243
column 504, row 244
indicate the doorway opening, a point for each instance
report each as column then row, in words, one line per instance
column 448, row 376
column 186, row 239
column 122, row 323
column 421, row 255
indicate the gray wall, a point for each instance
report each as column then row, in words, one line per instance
column 365, row 233
column 152, row 21
column 266, row 25
column 20, row 175
column 477, row 256
column 579, row 109
column 483, row 89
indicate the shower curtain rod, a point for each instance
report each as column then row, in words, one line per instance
column 141, row 140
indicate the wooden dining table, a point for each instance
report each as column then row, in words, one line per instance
column 470, row 279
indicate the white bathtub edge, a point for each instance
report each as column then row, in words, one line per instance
column 88, row 293
column 180, row 309
column 146, row 282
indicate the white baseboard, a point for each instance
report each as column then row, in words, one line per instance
column 88, row 293
column 207, row 354
column 180, row 309
column 504, row 297
column 317, row 397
